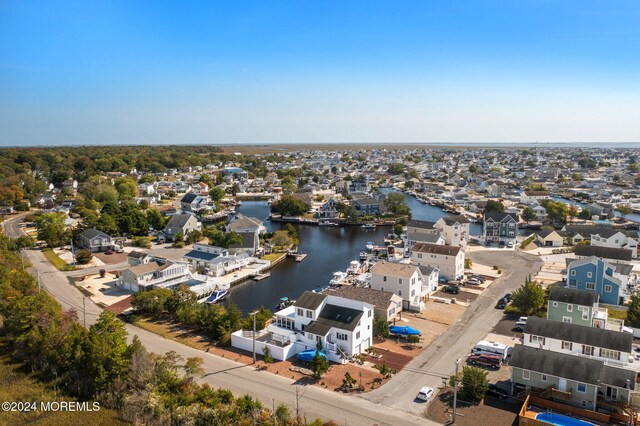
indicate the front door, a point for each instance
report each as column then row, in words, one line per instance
column 612, row 393
column 562, row 384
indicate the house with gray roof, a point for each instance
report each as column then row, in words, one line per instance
column 249, row 229
column 610, row 254
column 500, row 227
column 386, row 304
column 178, row 224
column 454, row 229
column 95, row 241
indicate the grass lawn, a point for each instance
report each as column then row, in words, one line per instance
column 172, row 331
column 17, row 385
column 273, row 256
column 617, row 313
column 56, row 261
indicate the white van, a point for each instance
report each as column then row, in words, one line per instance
column 491, row 348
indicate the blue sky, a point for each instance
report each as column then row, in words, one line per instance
column 104, row 72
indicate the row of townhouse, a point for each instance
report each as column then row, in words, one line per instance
column 577, row 355
column 602, row 236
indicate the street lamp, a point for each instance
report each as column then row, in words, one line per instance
column 253, row 335
column 455, row 390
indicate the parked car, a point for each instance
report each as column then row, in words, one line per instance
column 510, row 244
column 473, row 281
column 502, row 303
column 497, row 392
column 501, row 244
column 477, row 277
column 519, row 326
column 453, row 289
column 508, row 297
column 425, row 393
column 486, row 360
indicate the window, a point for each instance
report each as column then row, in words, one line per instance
column 536, row 339
column 587, row 350
column 384, row 278
column 369, row 315
column 585, row 315
column 526, row 374
column 300, row 312
column 318, row 339
column 413, row 292
column 607, row 288
column 583, row 403
column 399, row 292
column 544, row 378
column 591, row 286
column 566, row 320
column 309, row 314
column 555, row 304
column 569, row 307
column 341, row 336
column 610, row 354
column 567, row 346
column 358, row 335
column 399, row 280
column 582, row 388
column 573, row 272
column 589, row 274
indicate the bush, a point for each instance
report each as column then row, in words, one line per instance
column 380, row 328
column 143, row 242
column 495, row 267
column 103, row 273
column 83, row 257
column 468, row 264
column 268, row 359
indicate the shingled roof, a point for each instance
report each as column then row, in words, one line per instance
column 436, row 249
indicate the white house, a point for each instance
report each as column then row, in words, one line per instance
column 454, row 229
column 404, row 280
column 328, row 210
column 541, row 212
column 343, row 327
column 448, row 259
column 614, row 238
column 533, row 197
column 160, row 273
column 216, row 260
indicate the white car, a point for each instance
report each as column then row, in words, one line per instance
column 510, row 244
column 425, row 393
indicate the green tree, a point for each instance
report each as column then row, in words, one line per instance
column 108, row 225
column 474, row 384
column 494, row 206
column 83, row 257
column 107, row 350
column 281, row 239
column 396, row 168
column 398, row 229
column 288, row 205
column 380, row 328
column 556, row 211
column 528, row 214
column 132, row 220
column 624, row 211
column 151, row 302
column 51, row 229
column 633, row 313
column 155, row 219
column 396, row 203
column 216, row 194
column 127, row 188
column 194, row 236
column 319, row 365
column 529, row 298
column 266, row 352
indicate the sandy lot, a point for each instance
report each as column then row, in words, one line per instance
column 491, row 411
column 103, row 290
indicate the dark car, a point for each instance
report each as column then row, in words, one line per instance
column 497, row 392
column 508, row 297
column 502, row 244
column 502, row 303
column 453, row 289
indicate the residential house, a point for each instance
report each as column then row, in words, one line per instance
column 500, row 227
column 449, row 260
column 541, row 212
column 454, row 229
column 158, row 273
column 609, row 254
column 95, row 241
column 358, row 186
column 573, row 306
column 615, row 238
column 328, row 210
column 387, row 304
column 593, row 274
column 431, row 277
column 178, row 224
column 249, row 229
column 343, row 327
column 216, row 261
column 533, row 197
column 549, row 238
column 193, row 202
column 136, row 257
column 404, row 280
column 367, row 206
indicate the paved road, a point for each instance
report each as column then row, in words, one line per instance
column 438, row 360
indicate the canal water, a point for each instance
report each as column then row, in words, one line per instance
column 329, row 250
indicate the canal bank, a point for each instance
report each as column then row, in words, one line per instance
column 329, row 249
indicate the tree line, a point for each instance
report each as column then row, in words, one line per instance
column 98, row 364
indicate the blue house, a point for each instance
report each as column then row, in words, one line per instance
column 608, row 280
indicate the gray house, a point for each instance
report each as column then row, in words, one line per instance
column 95, row 241
column 179, row 223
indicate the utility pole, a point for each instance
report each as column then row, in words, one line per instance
column 38, row 278
column 22, row 257
column 455, row 391
column 73, row 256
column 253, row 335
column 84, row 312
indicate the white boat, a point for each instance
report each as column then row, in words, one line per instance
column 259, row 277
column 338, row 277
column 369, row 245
column 363, row 255
column 327, row 223
column 354, row 267
column 217, row 296
column 369, row 226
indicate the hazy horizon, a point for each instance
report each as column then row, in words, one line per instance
column 135, row 73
